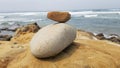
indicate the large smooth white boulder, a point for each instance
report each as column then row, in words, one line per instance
column 52, row 39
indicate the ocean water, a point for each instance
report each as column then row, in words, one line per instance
column 97, row 21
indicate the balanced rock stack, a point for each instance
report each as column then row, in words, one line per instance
column 52, row 39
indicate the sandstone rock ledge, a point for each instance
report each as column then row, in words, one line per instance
column 85, row 52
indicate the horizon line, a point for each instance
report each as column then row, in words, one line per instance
column 53, row 10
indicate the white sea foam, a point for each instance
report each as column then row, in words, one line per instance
column 23, row 13
column 88, row 16
column 96, row 14
column 1, row 17
column 13, row 19
column 81, row 13
column 92, row 13
column 32, row 20
column 11, row 23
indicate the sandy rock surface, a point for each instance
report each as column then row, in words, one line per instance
column 84, row 53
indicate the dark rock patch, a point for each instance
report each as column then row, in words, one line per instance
column 112, row 37
column 13, row 27
column 100, row 36
column 5, row 37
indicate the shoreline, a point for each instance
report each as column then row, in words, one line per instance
column 92, row 21
column 4, row 34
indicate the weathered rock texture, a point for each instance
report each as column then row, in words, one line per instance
column 22, row 39
column 81, row 34
column 8, row 52
column 30, row 28
column 24, row 34
column 60, row 17
column 81, row 54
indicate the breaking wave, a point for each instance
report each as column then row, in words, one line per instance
column 88, row 16
column 96, row 14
